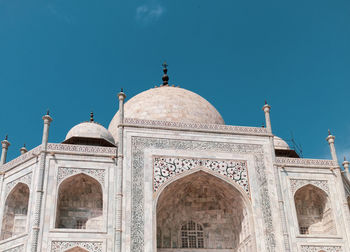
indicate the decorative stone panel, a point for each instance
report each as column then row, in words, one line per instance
column 313, row 248
column 64, row 172
column 196, row 126
column 140, row 144
column 26, row 179
column 164, row 168
column 19, row 248
column 305, row 162
column 84, row 149
column 295, row 184
column 61, row 246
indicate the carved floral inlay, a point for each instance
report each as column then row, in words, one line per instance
column 19, row 248
column 313, row 248
column 61, row 246
column 295, row 184
column 26, row 179
column 64, row 172
column 167, row 167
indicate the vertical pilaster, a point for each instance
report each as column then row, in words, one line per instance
column 5, row 145
column 346, row 168
column 39, row 187
column 266, row 110
column 119, row 175
column 330, row 139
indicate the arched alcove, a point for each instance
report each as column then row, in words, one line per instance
column 202, row 211
column 79, row 203
column 314, row 211
column 76, row 249
column 15, row 212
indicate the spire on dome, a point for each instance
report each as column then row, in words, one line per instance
column 165, row 77
column 91, row 116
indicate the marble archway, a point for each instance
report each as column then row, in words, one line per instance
column 203, row 211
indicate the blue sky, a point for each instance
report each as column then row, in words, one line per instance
column 72, row 57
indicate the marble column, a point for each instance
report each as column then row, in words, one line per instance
column 266, row 109
column 39, row 187
column 119, row 175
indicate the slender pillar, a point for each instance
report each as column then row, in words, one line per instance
column 5, row 145
column 346, row 168
column 40, row 183
column 266, row 109
column 23, row 149
column 330, row 140
column 119, row 175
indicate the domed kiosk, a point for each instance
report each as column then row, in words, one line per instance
column 89, row 133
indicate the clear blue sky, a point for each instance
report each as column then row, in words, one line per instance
column 73, row 56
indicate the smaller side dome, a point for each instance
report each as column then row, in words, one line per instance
column 282, row 149
column 89, row 133
column 280, row 144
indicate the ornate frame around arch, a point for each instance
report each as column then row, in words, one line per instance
column 140, row 177
column 245, row 198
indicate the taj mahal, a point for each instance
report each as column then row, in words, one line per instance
column 168, row 175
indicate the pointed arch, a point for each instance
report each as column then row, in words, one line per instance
column 79, row 203
column 76, row 249
column 314, row 212
column 14, row 220
column 220, row 207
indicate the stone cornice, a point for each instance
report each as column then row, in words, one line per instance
column 212, row 128
column 81, row 149
column 60, row 148
column 21, row 159
column 303, row 162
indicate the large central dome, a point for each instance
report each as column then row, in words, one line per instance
column 168, row 103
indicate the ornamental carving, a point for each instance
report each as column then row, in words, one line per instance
column 64, row 172
column 312, row 248
column 305, row 162
column 295, row 184
column 85, row 149
column 197, row 126
column 19, row 248
column 26, row 179
column 22, row 158
column 164, row 168
column 61, row 246
column 140, row 144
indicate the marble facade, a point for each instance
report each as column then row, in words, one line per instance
column 172, row 186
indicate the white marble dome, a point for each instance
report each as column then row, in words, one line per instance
column 280, row 144
column 167, row 103
column 89, row 130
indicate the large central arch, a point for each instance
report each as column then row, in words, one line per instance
column 203, row 211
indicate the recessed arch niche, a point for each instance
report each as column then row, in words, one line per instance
column 76, row 249
column 314, row 211
column 80, row 203
column 216, row 216
column 15, row 212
